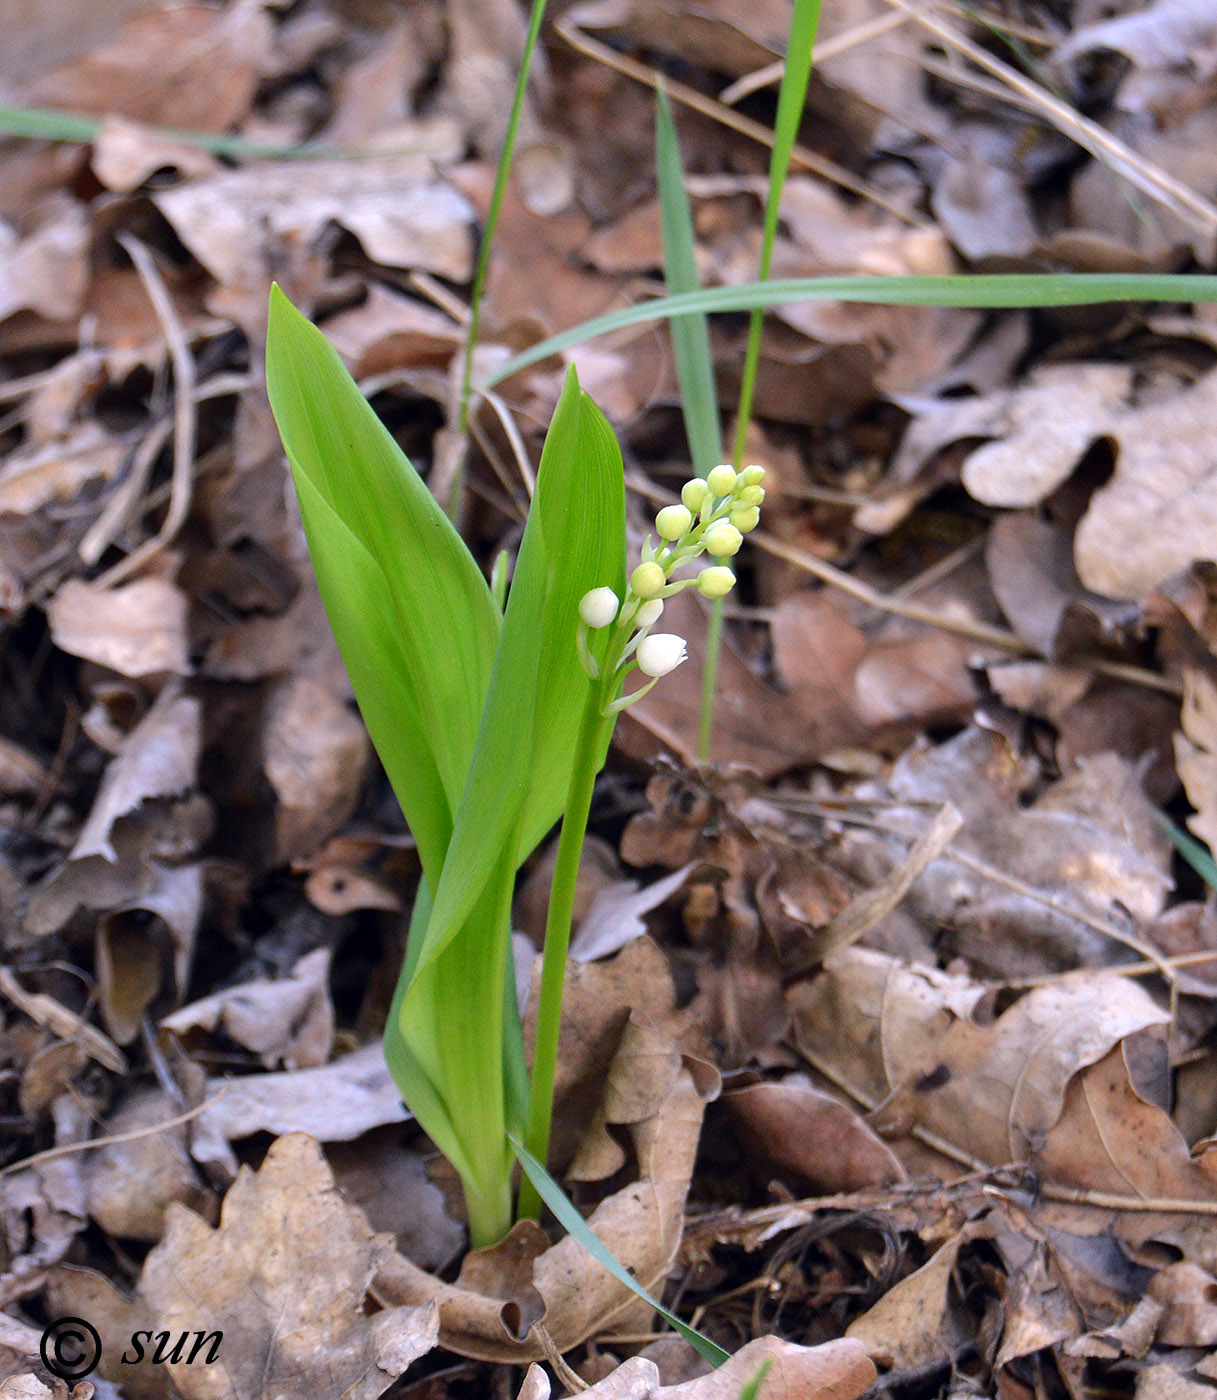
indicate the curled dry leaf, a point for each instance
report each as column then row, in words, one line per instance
column 837, row 1370
column 158, row 758
column 652, row 1093
column 810, row 1136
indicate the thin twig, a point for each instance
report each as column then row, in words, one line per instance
column 112, row 1139
column 185, row 417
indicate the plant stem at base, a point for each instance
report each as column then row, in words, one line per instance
column 557, row 943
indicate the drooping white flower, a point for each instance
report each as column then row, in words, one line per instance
column 598, row 607
column 649, row 613
column 660, row 653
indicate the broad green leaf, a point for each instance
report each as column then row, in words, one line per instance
column 426, row 587
column 574, row 1224
column 998, row 289
column 690, row 333
column 456, row 1047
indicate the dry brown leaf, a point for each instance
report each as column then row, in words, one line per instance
column 288, row 1021
column 401, row 212
column 333, row 1103
column 189, row 66
column 315, row 756
column 126, row 154
column 917, row 1324
column 614, row 917
column 836, row 1370
column 137, row 629
column 811, row 1136
column 47, row 271
column 159, row 758
column 1089, row 848
column 920, row 1041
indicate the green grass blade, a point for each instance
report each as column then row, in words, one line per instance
column 792, row 94
column 574, row 1224
column 690, row 333
column 1194, row 852
column 994, row 290
column 420, row 641
column 482, row 266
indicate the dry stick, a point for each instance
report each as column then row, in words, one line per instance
column 45, row 1011
column 898, row 607
column 185, row 417
column 1196, row 211
column 112, row 1139
column 827, row 48
column 725, row 116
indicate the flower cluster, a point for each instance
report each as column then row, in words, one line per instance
column 714, row 516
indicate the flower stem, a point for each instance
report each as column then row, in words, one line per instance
column 557, row 942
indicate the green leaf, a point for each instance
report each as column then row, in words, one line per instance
column 411, row 612
column 690, row 333
column 1197, row 855
column 985, row 290
column 574, row 1224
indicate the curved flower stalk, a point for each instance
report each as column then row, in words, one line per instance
column 614, row 638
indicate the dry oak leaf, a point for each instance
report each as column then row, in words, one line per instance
column 284, row 1278
column 401, row 212
column 923, row 1042
column 489, row 1313
column 836, row 1370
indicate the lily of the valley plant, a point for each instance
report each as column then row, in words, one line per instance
column 491, row 725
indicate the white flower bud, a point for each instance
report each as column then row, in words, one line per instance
column 722, row 539
column 721, row 480
column 751, row 496
column 648, row 580
column 753, row 476
column 715, row 582
column 673, row 521
column 745, row 518
column 660, row 653
column 599, row 607
column 649, row 613
column 693, row 494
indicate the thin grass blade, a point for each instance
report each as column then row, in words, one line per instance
column 574, row 1224
column 984, row 290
